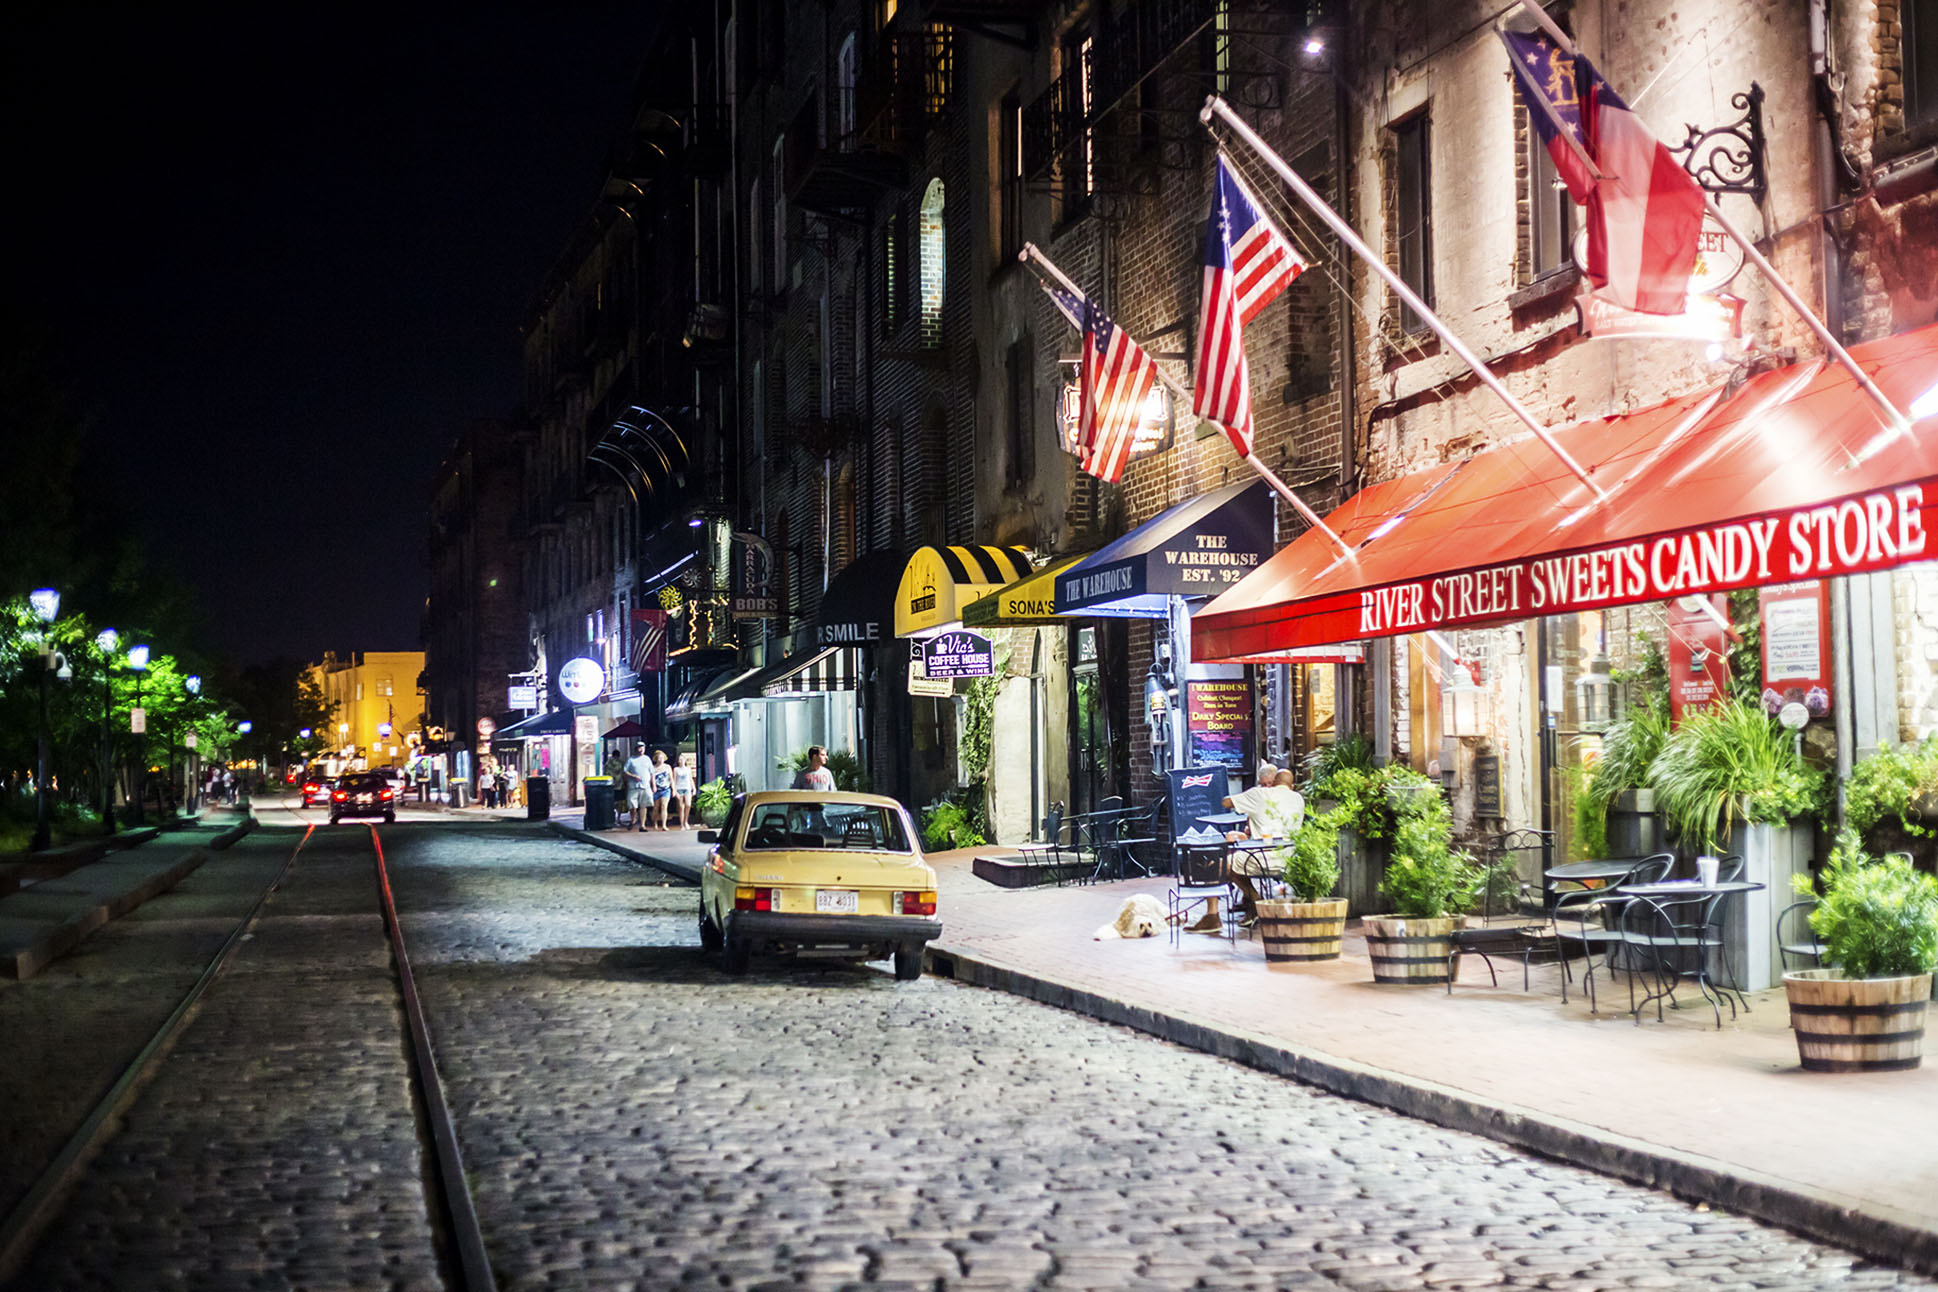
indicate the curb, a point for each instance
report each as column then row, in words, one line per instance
column 234, row 834
column 55, row 863
column 64, row 937
column 672, row 868
column 1828, row 1218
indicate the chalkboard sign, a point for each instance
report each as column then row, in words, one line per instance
column 1219, row 714
column 1487, row 785
column 1196, row 792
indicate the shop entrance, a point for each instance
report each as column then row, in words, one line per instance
column 1098, row 766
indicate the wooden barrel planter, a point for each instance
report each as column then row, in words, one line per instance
column 1415, row 953
column 1302, row 930
column 1857, row 1024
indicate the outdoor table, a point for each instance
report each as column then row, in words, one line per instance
column 1224, row 820
column 1593, row 875
column 1674, row 916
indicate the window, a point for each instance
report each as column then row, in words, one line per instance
column 384, row 687
column 359, row 690
column 825, row 360
column 1919, row 21
column 756, row 254
column 1551, row 212
column 1022, row 426
column 933, row 266
column 1085, row 48
column 1221, row 48
column 780, row 219
column 1413, row 214
column 892, row 273
column 844, row 94
column 1009, row 174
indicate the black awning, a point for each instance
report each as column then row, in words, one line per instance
column 858, row 608
column 556, row 723
column 1195, row 549
column 816, row 669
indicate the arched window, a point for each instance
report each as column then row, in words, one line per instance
column 932, row 264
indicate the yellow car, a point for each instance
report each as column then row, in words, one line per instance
column 819, row 874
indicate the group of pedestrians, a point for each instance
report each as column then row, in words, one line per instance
column 497, row 787
column 654, row 786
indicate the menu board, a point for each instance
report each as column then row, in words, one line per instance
column 1218, row 716
column 1796, row 646
column 1196, row 793
column 1487, row 785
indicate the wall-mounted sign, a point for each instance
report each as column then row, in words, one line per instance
column 920, row 683
column 486, row 726
column 580, row 680
column 585, row 730
column 1698, row 662
column 1218, row 715
column 957, row 654
column 1487, row 785
column 138, row 721
column 1796, row 646
column 521, row 697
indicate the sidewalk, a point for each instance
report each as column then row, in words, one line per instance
column 1722, row 1116
column 46, row 919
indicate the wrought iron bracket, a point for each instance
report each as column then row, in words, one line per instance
column 1730, row 158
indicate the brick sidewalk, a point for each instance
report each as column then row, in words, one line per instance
column 1726, row 1116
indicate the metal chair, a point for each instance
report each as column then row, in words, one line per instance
column 1678, row 934
column 1591, row 918
column 1137, row 828
column 1796, row 940
column 1204, row 876
column 1053, row 845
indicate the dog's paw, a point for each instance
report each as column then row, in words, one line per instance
column 1108, row 933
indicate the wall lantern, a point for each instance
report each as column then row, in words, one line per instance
column 1594, row 690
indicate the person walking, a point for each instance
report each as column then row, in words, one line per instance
column 485, row 787
column 683, row 787
column 662, row 788
column 639, row 771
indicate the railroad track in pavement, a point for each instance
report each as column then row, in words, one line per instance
column 448, row 1198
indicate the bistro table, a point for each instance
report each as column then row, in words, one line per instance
column 1224, row 820
column 1677, row 921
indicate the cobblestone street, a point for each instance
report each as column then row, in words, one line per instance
column 631, row 1117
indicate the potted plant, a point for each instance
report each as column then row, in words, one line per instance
column 1427, row 881
column 1730, row 779
column 1371, row 803
column 1878, row 923
column 1615, row 813
column 1891, row 799
column 1310, row 923
column 712, row 801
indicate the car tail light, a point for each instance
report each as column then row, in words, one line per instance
column 339, row 796
column 922, row 903
column 384, row 795
column 311, row 788
column 755, row 899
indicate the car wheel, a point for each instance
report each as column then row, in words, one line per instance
column 710, row 938
column 908, row 963
column 736, row 952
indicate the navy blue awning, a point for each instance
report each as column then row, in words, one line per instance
column 1195, row 549
column 556, row 723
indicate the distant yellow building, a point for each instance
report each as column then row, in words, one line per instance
column 378, row 703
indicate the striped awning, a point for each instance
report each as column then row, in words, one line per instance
column 939, row 581
column 711, row 697
column 811, row 672
column 1029, row 602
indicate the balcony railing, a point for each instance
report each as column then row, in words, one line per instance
column 900, row 93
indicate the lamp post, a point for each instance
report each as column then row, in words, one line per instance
column 106, row 640
column 138, row 661
column 193, row 685
column 243, row 728
column 47, row 608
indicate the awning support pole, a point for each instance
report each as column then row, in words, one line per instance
column 1894, row 418
column 1216, row 106
column 1031, row 255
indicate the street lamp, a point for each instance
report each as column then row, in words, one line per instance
column 193, row 685
column 138, row 721
column 106, row 641
column 47, row 608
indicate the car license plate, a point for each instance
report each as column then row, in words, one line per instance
column 840, row 901
column 365, row 798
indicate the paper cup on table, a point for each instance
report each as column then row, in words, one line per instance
column 1706, row 868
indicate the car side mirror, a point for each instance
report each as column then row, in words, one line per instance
column 709, row 836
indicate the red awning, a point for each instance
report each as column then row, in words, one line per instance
column 1793, row 476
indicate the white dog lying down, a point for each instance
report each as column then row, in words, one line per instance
column 1140, row 917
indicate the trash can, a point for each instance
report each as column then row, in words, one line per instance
column 458, row 788
column 598, row 803
column 538, row 797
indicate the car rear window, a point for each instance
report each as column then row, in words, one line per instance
column 855, row 827
column 365, row 781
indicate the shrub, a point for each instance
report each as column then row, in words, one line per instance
column 1428, row 877
column 1312, row 862
column 1376, row 801
column 1729, row 761
column 1889, row 783
column 713, row 800
column 947, row 824
column 1877, row 919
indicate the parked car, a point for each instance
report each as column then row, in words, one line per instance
column 363, row 794
column 799, row 871
column 317, row 786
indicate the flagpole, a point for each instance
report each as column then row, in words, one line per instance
column 1033, row 256
column 1216, row 106
column 1897, row 420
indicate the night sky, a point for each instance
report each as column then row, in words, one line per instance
column 286, row 265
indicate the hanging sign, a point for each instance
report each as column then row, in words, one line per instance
column 521, row 697
column 1698, row 664
column 486, row 726
column 138, row 721
column 1218, row 716
column 648, row 650
column 1796, row 646
column 580, row 680
column 957, row 654
column 585, row 730
column 920, row 683
column 1704, row 318
column 188, row 741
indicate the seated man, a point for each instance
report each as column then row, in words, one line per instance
column 1273, row 810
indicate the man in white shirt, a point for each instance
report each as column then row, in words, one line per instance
column 639, row 771
column 1273, row 810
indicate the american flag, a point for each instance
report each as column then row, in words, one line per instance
column 1247, row 264
column 648, row 654
column 1117, row 376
